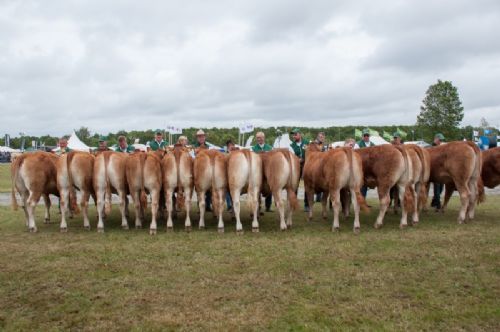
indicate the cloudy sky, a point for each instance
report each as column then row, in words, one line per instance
column 112, row 65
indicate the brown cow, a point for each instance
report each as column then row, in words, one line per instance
column 386, row 166
column 330, row 172
column 210, row 173
column 458, row 165
column 244, row 174
column 75, row 170
column 491, row 167
column 109, row 177
column 143, row 171
column 177, row 174
column 281, row 170
column 34, row 175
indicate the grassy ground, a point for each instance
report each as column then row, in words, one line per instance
column 437, row 276
column 5, row 182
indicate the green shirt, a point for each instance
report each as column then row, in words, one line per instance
column 154, row 145
column 298, row 149
column 198, row 145
column 63, row 151
column 362, row 144
column 128, row 149
column 257, row 148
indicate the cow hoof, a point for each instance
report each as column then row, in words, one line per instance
column 64, row 229
column 255, row 229
column 239, row 232
column 402, row 226
column 289, row 226
column 87, row 228
column 336, row 229
column 138, row 226
column 33, row 230
column 188, row 229
column 125, row 227
column 201, row 227
column 100, row 230
column 415, row 223
column 377, row 226
column 220, row 230
column 170, row 228
column 356, row 230
column 152, row 232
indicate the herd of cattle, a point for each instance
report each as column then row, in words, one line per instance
column 171, row 176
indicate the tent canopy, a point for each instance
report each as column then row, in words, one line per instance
column 7, row 149
column 74, row 143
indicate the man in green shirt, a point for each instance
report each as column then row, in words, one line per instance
column 123, row 146
column 262, row 147
column 103, row 144
column 201, row 140
column 365, row 141
column 158, row 143
column 298, row 147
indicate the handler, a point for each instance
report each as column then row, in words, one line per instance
column 298, row 147
column 158, row 143
column 262, row 147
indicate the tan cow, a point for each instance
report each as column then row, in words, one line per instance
column 210, row 173
column 386, row 166
column 491, row 167
column 109, row 177
column 34, row 175
column 177, row 174
column 244, row 174
column 281, row 170
column 457, row 165
column 143, row 171
column 330, row 172
column 75, row 170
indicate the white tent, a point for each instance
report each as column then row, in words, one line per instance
column 8, row 149
column 422, row 144
column 377, row 140
column 74, row 143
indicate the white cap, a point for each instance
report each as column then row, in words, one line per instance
column 200, row 132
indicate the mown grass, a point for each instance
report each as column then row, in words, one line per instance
column 437, row 276
column 5, row 181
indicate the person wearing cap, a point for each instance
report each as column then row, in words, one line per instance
column 262, row 147
column 437, row 187
column 298, row 146
column 158, row 143
column 320, row 140
column 63, row 146
column 365, row 141
column 201, row 140
column 103, row 144
column 123, row 146
column 396, row 139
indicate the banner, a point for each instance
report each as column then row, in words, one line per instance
column 475, row 133
column 387, row 136
column 246, row 128
column 358, row 134
column 402, row 133
column 174, row 130
column 373, row 132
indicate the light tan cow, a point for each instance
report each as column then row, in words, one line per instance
column 458, row 165
column 244, row 174
column 210, row 173
column 143, row 171
column 34, row 175
column 75, row 170
column 109, row 177
column 281, row 169
column 330, row 172
column 420, row 177
column 491, row 167
column 177, row 174
column 386, row 166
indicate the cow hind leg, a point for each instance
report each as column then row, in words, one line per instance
column 335, row 198
column 124, row 209
column 187, row 223
column 355, row 205
column 169, row 203
column 472, row 199
column 401, row 198
column 384, row 199
column 136, row 198
column 84, row 204
column 235, row 194
column 447, row 195
column 289, row 208
column 64, row 206
column 464, row 200
column 310, row 200
column 415, row 218
column 47, row 202
column 202, row 207
column 221, row 194
column 324, row 202
column 281, row 208
column 155, row 197
column 32, row 202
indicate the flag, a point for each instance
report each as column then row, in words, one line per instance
column 402, row 133
column 373, row 132
column 475, row 133
column 358, row 134
column 246, row 128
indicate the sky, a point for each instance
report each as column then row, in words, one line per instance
column 137, row 65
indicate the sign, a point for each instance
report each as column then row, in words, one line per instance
column 173, row 129
column 246, row 128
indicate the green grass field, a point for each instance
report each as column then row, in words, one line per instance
column 437, row 276
column 5, row 181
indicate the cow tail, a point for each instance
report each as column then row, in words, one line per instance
column 408, row 200
column 422, row 194
column 215, row 197
column 481, row 197
column 180, row 193
column 143, row 197
column 359, row 198
column 292, row 197
column 107, row 198
column 251, row 201
column 73, row 205
column 14, row 169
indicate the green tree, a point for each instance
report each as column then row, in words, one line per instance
column 83, row 134
column 441, row 111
